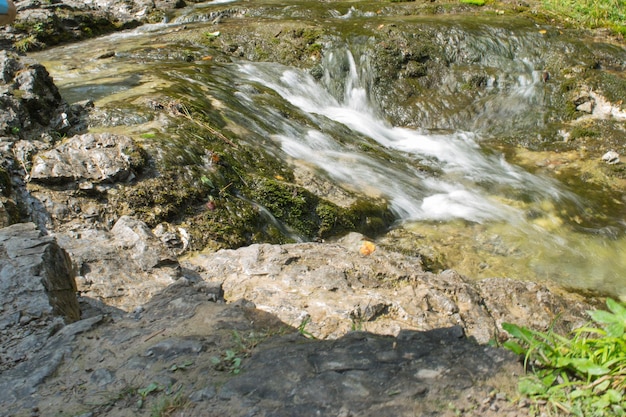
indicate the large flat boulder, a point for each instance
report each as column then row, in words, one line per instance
column 334, row 288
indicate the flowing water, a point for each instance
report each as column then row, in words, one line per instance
column 454, row 198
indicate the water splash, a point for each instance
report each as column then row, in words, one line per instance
column 448, row 190
column 467, row 176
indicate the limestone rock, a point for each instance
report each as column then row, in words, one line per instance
column 586, row 107
column 97, row 158
column 124, row 267
column 183, row 344
column 534, row 305
column 611, row 158
column 31, row 101
column 38, row 291
column 333, row 288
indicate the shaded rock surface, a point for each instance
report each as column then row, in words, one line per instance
column 202, row 357
column 369, row 375
column 38, row 292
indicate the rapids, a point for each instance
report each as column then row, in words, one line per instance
column 457, row 200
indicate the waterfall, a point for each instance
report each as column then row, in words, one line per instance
column 435, row 177
column 462, row 182
column 451, row 194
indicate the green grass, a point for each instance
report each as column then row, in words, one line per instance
column 583, row 374
column 474, row 2
column 591, row 13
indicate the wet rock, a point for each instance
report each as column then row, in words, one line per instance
column 99, row 158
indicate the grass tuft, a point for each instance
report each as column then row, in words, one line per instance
column 583, row 374
column 591, row 13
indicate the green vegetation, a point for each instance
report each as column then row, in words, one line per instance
column 170, row 399
column 302, row 328
column 166, row 405
column 474, row 2
column 28, row 43
column 583, row 375
column 230, row 360
column 591, row 13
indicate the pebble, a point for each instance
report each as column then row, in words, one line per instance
column 611, row 158
column 206, row 393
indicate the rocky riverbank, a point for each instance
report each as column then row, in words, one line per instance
column 333, row 330
column 104, row 314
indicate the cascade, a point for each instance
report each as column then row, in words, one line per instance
column 436, row 177
column 442, row 185
column 463, row 181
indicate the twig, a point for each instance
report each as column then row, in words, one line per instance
column 158, row 332
column 185, row 112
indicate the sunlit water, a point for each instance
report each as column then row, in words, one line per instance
column 444, row 187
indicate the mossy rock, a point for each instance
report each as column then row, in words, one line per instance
column 317, row 218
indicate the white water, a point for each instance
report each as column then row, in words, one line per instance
column 424, row 175
column 469, row 185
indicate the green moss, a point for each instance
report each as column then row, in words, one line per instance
column 232, row 223
column 289, row 203
column 612, row 86
column 588, row 130
column 60, row 27
column 369, row 217
column 316, row 218
column 162, row 198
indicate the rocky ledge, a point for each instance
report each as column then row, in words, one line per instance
column 283, row 330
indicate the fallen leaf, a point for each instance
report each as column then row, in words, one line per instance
column 367, row 248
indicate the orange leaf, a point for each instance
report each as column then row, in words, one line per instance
column 367, row 248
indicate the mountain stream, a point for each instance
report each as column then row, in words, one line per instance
column 458, row 195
